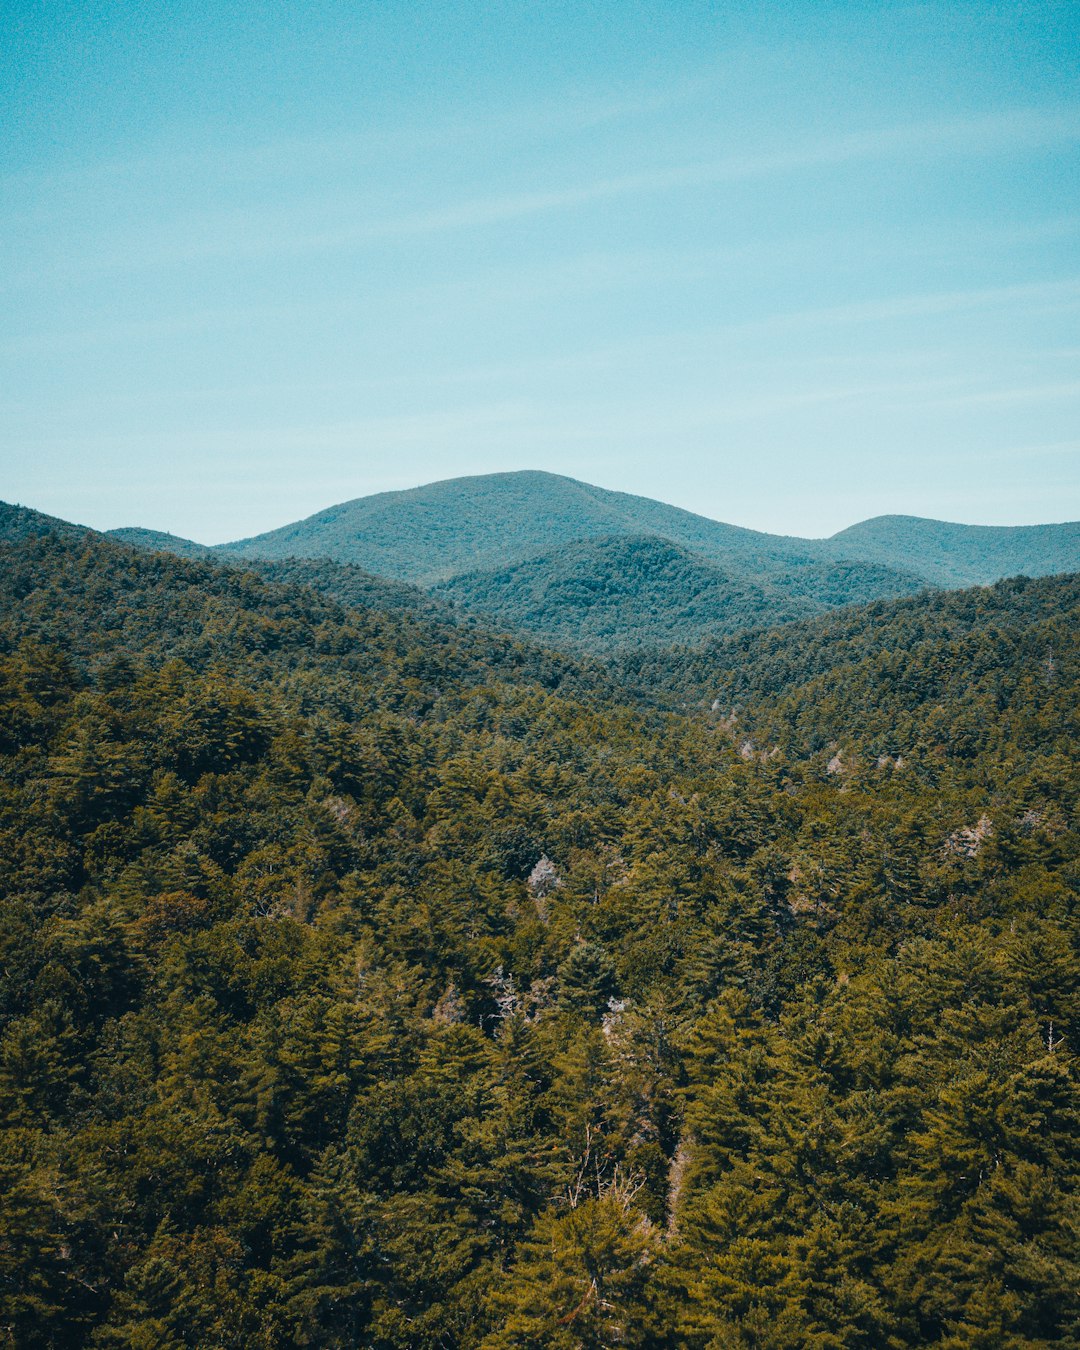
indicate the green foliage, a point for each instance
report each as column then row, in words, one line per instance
column 586, row 981
column 580, row 1282
column 600, row 571
column 640, row 590
column 781, row 1052
column 962, row 555
column 493, row 521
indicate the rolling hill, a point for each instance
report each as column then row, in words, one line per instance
column 625, row 591
column 490, row 522
column 160, row 541
column 963, row 555
column 343, row 582
column 584, row 567
column 880, row 663
column 537, row 552
column 428, row 534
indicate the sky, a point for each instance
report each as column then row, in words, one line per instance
column 789, row 266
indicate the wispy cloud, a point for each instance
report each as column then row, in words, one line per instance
column 386, row 433
column 272, row 231
column 1063, row 293
column 285, row 157
column 1047, row 449
column 1066, row 391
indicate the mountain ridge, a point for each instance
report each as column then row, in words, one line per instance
column 991, row 551
column 535, row 502
column 540, row 554
column 473, row 523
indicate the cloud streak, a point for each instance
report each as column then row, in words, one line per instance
column 263, row 233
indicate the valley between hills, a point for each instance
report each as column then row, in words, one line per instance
column 516, row 914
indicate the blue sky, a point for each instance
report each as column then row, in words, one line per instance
column 789, row 266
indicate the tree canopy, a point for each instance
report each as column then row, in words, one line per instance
column 301, row 1045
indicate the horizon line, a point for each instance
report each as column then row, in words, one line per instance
column 545, row 473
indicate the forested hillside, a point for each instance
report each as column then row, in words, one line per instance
column 429, row 533
column 160, row 541
column 368, row 980
column 877, row 664
column 602, row 571
column 625, row 590
column 610, row 594
column 962, row 555
column 490, row 522
column 595, row 596
column 343, row 582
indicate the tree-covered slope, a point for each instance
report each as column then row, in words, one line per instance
column 343, row 582
column 370, row 981
column 622, row 591
column 160, row 541
column 105, row 601
column 493, row 521
column 962, row 555
column 430, row 533
column 902, row 654
column 604, row 571
column 22, row 522
column 597, row 595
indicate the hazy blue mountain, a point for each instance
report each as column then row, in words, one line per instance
column 431, row 533
column 630, row 590
column 963, row 555
column 492, row 522
column 598, row 570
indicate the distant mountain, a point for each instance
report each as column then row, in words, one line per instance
column 583, row 566
column 428, row 534
column 963, row 555
column 492, row 522
column 598, row 595
column 538, row 552
column 633, row 590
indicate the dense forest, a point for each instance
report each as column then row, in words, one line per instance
column 492, row 521
column 370, row 979
column 609, row 594
column 961, row 555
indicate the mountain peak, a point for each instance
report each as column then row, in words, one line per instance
column 963, row 555
column 429, row 533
